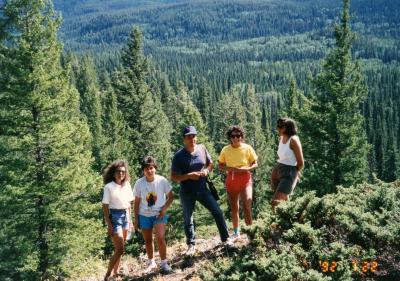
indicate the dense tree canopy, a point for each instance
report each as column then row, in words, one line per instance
column 135, row 73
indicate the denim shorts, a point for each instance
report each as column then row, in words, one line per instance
column 150, row 222
column 119, row 220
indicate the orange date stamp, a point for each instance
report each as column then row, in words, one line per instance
column 364, row 266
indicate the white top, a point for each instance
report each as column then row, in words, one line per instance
column 117, row 196
column 152, row 195
column 286, row 154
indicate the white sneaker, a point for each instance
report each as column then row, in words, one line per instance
column 190, row 250
column 229, row 243
column 151, row 264
column 235, row 236
column 165, row 268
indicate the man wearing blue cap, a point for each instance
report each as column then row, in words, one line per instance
column 190, row 167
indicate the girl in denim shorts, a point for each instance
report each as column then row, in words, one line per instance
column 117, row 198
column 153, row 196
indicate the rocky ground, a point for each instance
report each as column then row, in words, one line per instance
column 185, row 268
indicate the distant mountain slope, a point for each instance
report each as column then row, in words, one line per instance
column 93, row 23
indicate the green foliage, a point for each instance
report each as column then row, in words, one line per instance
column 148, row 127
column 116, row 131
column 333, row 129
column 226, row 64
column 48, row 192
column 212, row 46
column 87, row 85
column 343, row 227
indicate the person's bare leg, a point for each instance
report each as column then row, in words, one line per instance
column 118, row 241
column 278, row 197
column 148, row 238
column 162, row 244
column 246, row 195
column 234, row 200
column 118, row 261
column 274, row 179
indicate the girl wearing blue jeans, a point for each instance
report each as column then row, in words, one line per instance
column 153, row 196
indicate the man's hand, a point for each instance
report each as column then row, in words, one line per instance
column 194, row 175
column 205, row 172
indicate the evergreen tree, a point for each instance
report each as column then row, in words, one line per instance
column 155, row 130
column 294, row 100
column 116, row 131
column 205, row 102
column 228, row 111
column 90, row 106
column 136, row 103
column 258, row 140
column 48, row 192
column 187, row 114
column 335, row 142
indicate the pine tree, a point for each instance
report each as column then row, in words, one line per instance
column 187, row 114
column 294, row 100
column 90, row 106
column 335, row 143
column 47, row 184
column 155, row 130
column 136, row 103
column 116, row 131
column 228, row 111
column 258, row 140
column 205, row 103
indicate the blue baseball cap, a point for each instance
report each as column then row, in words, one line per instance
column 189, row 130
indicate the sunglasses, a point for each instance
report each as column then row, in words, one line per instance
column 121, row 171
column 236, row 136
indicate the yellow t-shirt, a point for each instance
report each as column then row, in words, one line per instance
column 242, row 156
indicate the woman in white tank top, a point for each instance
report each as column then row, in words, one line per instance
column 287, row 172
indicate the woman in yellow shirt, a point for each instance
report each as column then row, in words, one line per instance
column 238, row 159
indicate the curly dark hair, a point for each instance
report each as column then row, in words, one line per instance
column 289, row 125
column 149, row 161
column 109, row 172
column 235, row 129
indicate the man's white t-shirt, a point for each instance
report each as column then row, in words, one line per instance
column 152, row 195
column 117, row 196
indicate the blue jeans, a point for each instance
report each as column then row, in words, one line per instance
column 119, row 220
column 203, row 195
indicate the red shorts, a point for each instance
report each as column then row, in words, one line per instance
column 236, row 182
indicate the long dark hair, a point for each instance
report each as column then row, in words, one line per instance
column 289, row 125
column 109, row 172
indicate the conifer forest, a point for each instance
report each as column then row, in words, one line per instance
column 84, row 83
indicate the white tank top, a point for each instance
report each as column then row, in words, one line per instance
column 286, row 154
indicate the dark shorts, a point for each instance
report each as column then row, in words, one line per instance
column 119, row 220
column 287, row 178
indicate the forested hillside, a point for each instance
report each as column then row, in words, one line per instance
column 120, row 79
column 218, row 44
